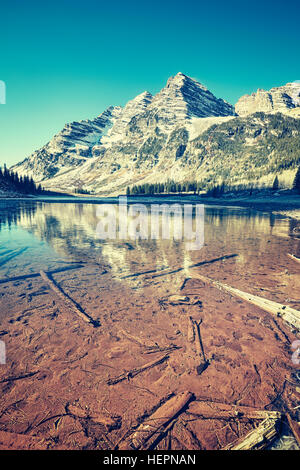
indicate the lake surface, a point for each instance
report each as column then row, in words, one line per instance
column 126, row 284
column 43, row 234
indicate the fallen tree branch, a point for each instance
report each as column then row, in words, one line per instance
column 29, row 276
column 132, row 373
column 191, row 330
column 137, row 340
column 150, row 347
column 70, row 302
column 19, row 377
column 153, row 428
column 289, row 314
column 169, row 348
column 174, row 270
column 213, row 410
column 257, row 439
column 199, row 348
column 294, row 257
column 194, row 336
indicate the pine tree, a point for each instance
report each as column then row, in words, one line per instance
column 296, row 183
column 275, row 184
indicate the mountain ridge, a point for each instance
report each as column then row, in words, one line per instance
column 152, row 137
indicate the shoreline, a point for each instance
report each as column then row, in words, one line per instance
column 284, row 205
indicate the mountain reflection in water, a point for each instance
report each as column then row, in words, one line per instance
column 68, row 231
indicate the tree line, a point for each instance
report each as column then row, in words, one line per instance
column 21, row 184
column 211, row 189
column 167, row 187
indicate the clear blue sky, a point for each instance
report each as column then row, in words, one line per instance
column 68, row 60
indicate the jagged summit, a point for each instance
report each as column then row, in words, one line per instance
column 132, row 126
column 180, row 79
column 184, row 98
column 284, row 99
column 153, row 138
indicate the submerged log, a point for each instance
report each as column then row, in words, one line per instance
column 200, row 350
column 139, row 341
column 154, row 427
column 18, row 377
column 137, row 370
column 289, row 314
column 191, row 330
column 29, row 276
column 149, row 347
column 257, row 439
column 213, row 410
column 294, row 257
column 195, row 343
column 70, row 302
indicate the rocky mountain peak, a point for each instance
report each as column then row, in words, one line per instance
column 153, row 138
column 179, row 80
column 284, row 99
column 184, row 98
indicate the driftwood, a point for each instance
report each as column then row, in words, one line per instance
column 191, row 330
column 140, row 342
column 150, row 348
column 180, row 268
column 174, row 270
column 29, row 276
column 289, row 314
column 257, row 439
column 70, row 302
column 294, row 257
column 194, row 336
column 213, row 410
column 295, row 428
column 18, row 377
column 137, row 370
column 156, row 349
column 154, row 427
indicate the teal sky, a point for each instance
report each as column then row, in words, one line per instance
column 66, row 60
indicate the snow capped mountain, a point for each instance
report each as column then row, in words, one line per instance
column 125, row 140
column 70, row 148
column 133, row 108
column 183, row 132
column 183, row 98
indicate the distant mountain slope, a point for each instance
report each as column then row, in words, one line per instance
column 183, row 132
column 246, row 149
column 141, row 127
column 284, row 99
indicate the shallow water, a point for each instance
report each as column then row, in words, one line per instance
column 125, row 283
column 52, row 232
